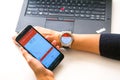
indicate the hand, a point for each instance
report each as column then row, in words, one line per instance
column 40, row 71
column 49, row 34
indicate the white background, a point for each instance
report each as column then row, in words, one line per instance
column 76, row 65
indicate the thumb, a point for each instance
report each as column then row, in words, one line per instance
column 33, row 63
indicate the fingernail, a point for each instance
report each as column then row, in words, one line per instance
column 27, row 58
column 54, row 40
column 47, row 37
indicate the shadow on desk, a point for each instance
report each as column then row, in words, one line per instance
column 84, row 63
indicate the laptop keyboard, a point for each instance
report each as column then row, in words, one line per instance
column 80, row 9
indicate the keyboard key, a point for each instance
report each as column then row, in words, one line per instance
column 82, row 9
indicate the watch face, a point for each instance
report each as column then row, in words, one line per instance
column 66, row 38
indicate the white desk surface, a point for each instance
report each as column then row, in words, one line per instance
column 76, row 65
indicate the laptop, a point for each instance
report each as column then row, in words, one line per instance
column 77, row 16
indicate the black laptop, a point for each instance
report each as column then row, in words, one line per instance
column 77, row 16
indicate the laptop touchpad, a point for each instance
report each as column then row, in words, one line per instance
column 60, row 25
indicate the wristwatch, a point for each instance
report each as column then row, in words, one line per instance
column 66, row 39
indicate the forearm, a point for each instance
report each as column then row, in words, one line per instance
column 86, row 42
column 107, row 45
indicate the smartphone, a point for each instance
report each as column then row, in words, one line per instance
column 39, row 47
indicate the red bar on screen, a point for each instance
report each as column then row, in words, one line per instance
column 46, row 53
column 27, row 36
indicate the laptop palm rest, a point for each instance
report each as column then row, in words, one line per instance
column 59, row 25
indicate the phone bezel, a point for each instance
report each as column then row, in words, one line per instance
column 56, row 61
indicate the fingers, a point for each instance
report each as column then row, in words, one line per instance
column 44, row 31
column 25, row 54
column 36, row 66
column 54, row 42
column 16, row 43
column 29, row 58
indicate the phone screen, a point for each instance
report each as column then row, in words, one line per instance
column 40, row 48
